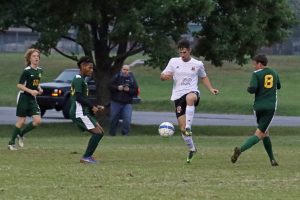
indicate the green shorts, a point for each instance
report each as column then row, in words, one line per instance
column 27, row 106
column 86, row 122
column 264, row 119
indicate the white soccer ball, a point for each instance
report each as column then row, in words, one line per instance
column 166, row 129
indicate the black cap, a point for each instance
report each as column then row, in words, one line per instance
column 84, row 59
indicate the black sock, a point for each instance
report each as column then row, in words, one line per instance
column 92, row 145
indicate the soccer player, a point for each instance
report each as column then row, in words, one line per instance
column 29, row 86
column 184, row 71
column 82, row 110
column 264, row 84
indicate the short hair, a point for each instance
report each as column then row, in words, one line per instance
column 84, row 59
column 184, row 43
column 28, row 54
column 261, row 58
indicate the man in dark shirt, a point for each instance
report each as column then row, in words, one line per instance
column 123, row 87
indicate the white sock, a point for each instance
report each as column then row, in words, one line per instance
column 189, row 116
column 189, row 142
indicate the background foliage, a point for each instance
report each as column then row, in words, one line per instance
column 111, row 31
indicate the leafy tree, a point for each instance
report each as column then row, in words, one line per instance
column 236, row 29
column 111, row 31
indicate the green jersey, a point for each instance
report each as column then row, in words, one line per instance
column 31, row 78
column 79, row 85
column 264, row 83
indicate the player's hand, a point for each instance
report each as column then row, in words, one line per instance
column 120, row 87
column 100, row 108
column 41, row 91
column 166, row 76
column 214, row 91
column 34, row 92
column 95, row 109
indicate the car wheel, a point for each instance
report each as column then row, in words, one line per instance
column 66, row 109
column 43, row 111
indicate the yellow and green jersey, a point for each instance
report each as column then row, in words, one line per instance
column 78, row 108
column 264, row 83
column 31, row 78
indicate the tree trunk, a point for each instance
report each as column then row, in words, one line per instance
column 102, row 79
column 102, row 76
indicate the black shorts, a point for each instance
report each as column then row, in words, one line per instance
column 180, row 104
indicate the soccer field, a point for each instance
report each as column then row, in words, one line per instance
column 147, row 166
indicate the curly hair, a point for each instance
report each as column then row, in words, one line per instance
column 28, row 54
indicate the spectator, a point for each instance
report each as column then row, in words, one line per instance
column 123, row 88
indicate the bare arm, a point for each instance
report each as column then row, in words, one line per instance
column 40, row 90
column 25, row 89
column 207, row 84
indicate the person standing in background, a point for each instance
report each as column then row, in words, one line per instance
column 123, row 88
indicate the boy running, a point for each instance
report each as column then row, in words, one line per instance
column 264, row 84
column 29, row 86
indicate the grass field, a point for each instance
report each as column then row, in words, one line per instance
column 147, row 166
column 231, row 80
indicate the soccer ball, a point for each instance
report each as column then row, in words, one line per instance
column 166, row 129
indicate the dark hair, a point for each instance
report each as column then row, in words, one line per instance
column 184, row 43
column 84, row 59
column 261, row 58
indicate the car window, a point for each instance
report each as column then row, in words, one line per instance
column 66, row 76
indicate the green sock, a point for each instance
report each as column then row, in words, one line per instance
column 268, row 147
column 250, row 142
column 92, row 145
column 27, row 128
column 16, row 132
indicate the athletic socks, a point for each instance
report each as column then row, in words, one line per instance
column 268, row 147
column 189, row 142
column 15, row 133
column 189, row 116
column 250, row 142
column 27, row 128
column 92, row 145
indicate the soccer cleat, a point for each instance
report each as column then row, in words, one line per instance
column 12, row 147
column 237, row 152
column 274, row 163
column 190, row 156
column 20, row 141
column 187, row 132
column 90, row 160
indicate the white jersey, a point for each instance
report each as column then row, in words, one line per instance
column 185, row 75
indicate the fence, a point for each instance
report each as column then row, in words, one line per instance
column 20, row 39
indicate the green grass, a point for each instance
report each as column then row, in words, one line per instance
column 232, row 81
column 147, row 166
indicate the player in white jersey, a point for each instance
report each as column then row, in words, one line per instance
column 185, row 71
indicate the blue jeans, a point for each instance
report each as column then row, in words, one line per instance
column 120, row 111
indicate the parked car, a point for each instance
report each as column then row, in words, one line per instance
column 56, row 94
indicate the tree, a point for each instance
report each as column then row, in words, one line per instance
column 111, row 31
column 235, row 29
